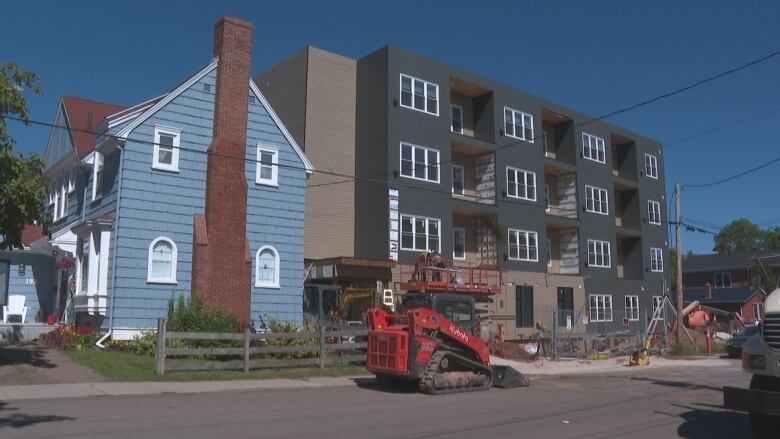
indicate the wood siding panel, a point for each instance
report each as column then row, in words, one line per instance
column 330, row 145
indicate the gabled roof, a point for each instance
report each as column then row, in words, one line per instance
column 84, row 115
column 719, row 295
column 724, row 261
column 165, row 99
column 31, row 233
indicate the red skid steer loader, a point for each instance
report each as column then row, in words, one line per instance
column 431, row 340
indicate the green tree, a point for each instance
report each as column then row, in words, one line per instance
column 739, row 235
column 23, row 188
column 772, row 239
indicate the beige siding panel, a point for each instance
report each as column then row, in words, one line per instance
column 284, row 86
column 502, row 310
column 330, row 145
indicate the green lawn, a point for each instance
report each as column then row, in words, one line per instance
column 126, row 366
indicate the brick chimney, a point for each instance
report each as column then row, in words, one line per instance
column 221, row 265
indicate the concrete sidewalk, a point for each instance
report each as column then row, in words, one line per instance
column 73, row 390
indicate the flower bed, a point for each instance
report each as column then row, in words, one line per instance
column 69, row 337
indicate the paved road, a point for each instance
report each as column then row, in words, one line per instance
column 641, row 404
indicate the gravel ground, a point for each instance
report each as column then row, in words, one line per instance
column 570, row 367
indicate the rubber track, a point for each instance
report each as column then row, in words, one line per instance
column 427, row 383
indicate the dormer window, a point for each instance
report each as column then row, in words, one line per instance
column 166, row 148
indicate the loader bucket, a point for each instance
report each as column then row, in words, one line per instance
column 507, row 377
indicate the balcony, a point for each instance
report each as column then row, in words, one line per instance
column 558, row 137
column 471, row 110
column 624, row 163
column 629, row 257
column 626, row 206
column 474, row 238
column 560, row 192
column 473, row 174
column 563, row 248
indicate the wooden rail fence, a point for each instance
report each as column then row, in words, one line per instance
column 327, row 342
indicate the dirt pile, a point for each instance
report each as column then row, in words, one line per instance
column 510, row 351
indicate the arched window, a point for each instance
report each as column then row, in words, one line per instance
column 267, row 267
column 162, row 261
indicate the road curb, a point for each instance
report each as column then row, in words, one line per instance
column 79, row 390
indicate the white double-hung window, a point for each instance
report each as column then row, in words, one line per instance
column 523, row 245
column 600, row 307
column 267, row 172
column 419, row 162
column 598, row 254
column 656, row 260
column 420, row 233
column 518, row 124
column 596, row 200
column 632, row 308
column 651, row 166
column 520, row 184
column 654, row 212
column 419, row 95
column 593, row 148
column 166, row 148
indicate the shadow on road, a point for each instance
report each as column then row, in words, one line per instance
column 394, row 386
column 20, row 420
column 24, row 354
column 701, row 424
column 676, row 384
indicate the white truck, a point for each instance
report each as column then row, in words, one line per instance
column 761, row 357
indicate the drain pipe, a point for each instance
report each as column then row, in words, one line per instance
column 99, row 343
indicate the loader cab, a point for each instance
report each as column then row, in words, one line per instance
column 457, row 308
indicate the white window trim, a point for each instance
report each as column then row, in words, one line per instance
column 72, row 180
column 527, row 234
column 463, row 232
column 425, row 95
column 653, row 167
column 174, row 268
column 427, row 232
column 452, row 119
column 633, row 306
column 176, row 133
column 517, row 172
column 415, row 165
column 656, row 260
column 274, row 180
column 514, row 118
column 463, row 173
column 97, row 164
column 601, row 192
column 722, row 284
column 258, row 283
column 605, row 254
column 603, row 298
column 653, row 211
column 586, row 147
column 758, row 311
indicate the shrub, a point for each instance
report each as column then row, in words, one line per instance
column 70, row 337
column 277, row 326
column 144, row 344
column 196, row 316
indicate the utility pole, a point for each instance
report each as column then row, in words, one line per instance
column 678, row 244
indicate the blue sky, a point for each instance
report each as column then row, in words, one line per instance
column 593, row 56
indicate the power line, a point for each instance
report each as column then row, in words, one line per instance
column 687, row 87
column 735, row 176
column 721, row 128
